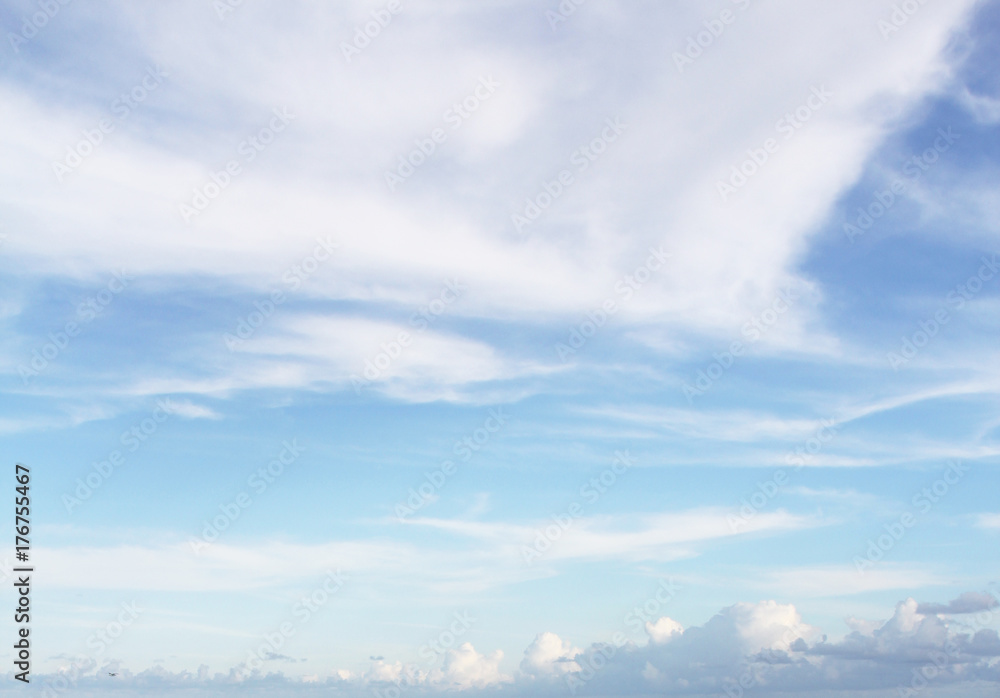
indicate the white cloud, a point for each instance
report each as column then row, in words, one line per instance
column 549, row 655
column 666, row 536
column 188, row 409
column 969, row 602
column 464, row 667
column 663, row 630
column 766, row 646
column 991, row 521
column 985, row 109
column 346, row 349
column 318, row 352
column 841, row 580
column 323, row 176
column 417, row 236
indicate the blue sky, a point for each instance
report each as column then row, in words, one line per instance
column 532, row 348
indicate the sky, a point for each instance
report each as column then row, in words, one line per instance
column 503, row 348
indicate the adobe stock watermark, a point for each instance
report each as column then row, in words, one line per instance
column 939, row 660
column 430, row 652
column 752, row 331
column 767, row 490
column 697, row 44
column 642, row 615
column 249, row 148
column 427, row 491
column 929, row 328
column 885, row 199
column 293, row 278
column 625, row 289
column 650, row 610
column 224, row 8
column 922, row 503
column 99, row 642
column 35, row 22
column 901, row 13
column 122, row 107
column 592, row 661
column 454, row 116
column 563, row 12
column 375, row 367
column 133, row 438
column 748, row 678
column 580, row 159
column 304, row 610
column 86, row 312
column 591, row 492
column 789, row 125
column 259, row 481
column 369, row 31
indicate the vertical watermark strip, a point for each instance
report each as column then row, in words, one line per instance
column 22, row 548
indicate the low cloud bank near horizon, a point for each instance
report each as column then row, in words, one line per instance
column 760, row 649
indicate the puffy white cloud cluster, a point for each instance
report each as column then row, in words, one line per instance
column 464, row 667
column 663, row 630
column 461, row 668
column 761, row 649
column 549, row 655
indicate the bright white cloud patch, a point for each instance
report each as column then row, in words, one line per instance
column 663, row 630
column 549, row 655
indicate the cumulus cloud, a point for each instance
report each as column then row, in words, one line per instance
column 464, row 667
column 663, row 630
column 969, row 602
column 549, row 655
column 765, row 647
column 383, row 672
